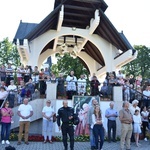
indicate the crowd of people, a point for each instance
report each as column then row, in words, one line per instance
column 132, row 87
column 31, row 84
column 134, row 121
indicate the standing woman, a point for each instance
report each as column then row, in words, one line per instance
column 48, row 113
column 6, row 122
column 137, row 126
column 61, row 86
column 144, row 115
column 97, row 125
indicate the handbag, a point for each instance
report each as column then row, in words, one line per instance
column 54, row 118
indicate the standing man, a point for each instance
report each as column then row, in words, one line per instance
column 25, row 111
column 81, row 85
column 9, row 74
column 12, row 89
column 111, row 114
column 89, row 121
column 66, row 115
column 71, row 85
column 125, row 117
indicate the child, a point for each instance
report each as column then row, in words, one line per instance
column 137, row 126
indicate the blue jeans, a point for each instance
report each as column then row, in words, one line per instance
column 98, row 131
column 92, row 138
column 5, row 131
column 47, row 129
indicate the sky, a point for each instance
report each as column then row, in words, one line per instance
column 129, row 16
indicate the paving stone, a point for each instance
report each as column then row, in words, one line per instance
column 78, row 146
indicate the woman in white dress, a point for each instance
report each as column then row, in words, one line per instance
column 137, row 126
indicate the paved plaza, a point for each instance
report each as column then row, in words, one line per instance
column 78, row 146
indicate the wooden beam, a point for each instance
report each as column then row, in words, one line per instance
column 74, row 21
column 60, row 18
column 77, row 15
column 79, row 8
column 88, row 1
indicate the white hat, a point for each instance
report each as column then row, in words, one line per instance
column 135, row 101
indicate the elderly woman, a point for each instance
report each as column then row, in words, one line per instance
column 6, row 122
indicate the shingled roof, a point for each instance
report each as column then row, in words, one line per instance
column 23, row 30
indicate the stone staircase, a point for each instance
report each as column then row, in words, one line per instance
column 37, row 106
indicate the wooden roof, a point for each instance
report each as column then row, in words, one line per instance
column 78, row 13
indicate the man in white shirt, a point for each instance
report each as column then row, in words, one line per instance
column 120, row 74
column 25, row 111
column 81, row 85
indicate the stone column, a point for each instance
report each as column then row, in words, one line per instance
column 51, row 91
column 117, row 93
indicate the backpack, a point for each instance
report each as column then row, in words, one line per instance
column 10, row 148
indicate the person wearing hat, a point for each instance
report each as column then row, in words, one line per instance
column 47, row 114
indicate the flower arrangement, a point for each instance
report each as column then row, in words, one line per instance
column 40, row 138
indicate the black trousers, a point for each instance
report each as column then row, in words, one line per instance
column 70, row 94
column 68, row 130
column 111, row 126
column 145, row 124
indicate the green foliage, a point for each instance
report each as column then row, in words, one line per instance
column 9, row 53
column 66, row 63
column 139, row 66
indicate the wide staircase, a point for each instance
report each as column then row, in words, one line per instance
column 37, row 106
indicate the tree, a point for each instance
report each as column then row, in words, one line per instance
column 9, row 53
column 139, row 66
column 66, row 63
